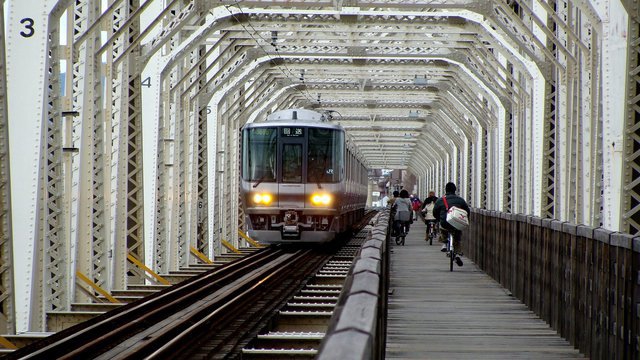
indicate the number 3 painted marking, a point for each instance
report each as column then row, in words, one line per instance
column 28, row 25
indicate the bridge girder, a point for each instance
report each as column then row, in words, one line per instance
column 425, row 87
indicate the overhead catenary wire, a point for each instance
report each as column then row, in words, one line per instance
column 291, row 78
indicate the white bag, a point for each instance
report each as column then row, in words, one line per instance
column 457, row 218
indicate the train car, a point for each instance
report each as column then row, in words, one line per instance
column 302, row 179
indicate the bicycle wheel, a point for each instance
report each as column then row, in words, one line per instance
column 399, row 239
column 403, row 228
column 431, row 235
column 451, row 252
column 451, row 256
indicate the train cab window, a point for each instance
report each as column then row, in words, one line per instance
column 292, row 163
column 259, row 154
column 325, row 155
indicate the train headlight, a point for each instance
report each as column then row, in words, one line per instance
column 321, row 199
column 262, row 198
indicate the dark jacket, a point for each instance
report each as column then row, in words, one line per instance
column 440, row 212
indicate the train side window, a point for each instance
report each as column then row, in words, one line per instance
column 348, row 165
column 352, row 170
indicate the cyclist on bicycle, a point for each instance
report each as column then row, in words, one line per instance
column 391, row 201
column 403, row 211
column 440, row 212
column 427, row 212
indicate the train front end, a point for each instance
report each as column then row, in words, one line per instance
column 292, row 181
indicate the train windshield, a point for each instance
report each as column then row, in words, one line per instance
column 326, row 154
column 292, row 163
column 259, row 155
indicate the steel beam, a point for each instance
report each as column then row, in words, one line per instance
column 7, row 296
column 631, row 204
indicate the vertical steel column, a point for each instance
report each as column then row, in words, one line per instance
column 239, row 124
column 549, row 165
column 231, row 196
column 163, row 167
column 231, row 175
column 588, row 199
column 570, row 209
column 175, row 162
column 631, row 206
column 7, row 296
column 470, row 175
column 460, row 174
column 172, row 174
column 507, row 186
column 92, row 250
column 596, row 169
column 129, row 195
column 202, row 164
column 202, row 220
column 219, row 215
column 491, row 175
column 509, row 152
column 180, row 252
column 451, row 170
column 484, row 185
column 51, row 250
column 592, row 181
column 70, row 129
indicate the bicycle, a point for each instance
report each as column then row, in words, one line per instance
column 400, row 236
column 431, row 231
column 451, row 252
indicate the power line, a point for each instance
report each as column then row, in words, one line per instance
column 305, row 94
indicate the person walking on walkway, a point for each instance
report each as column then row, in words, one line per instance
column 440, row 212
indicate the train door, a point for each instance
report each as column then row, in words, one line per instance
column 292, row 150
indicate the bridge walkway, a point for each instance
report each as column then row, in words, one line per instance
column 437, row 314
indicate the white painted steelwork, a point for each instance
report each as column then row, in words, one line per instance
column 7, row 295
column 138, row 153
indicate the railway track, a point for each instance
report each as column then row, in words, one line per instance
column 227, row 312
column 298, row 328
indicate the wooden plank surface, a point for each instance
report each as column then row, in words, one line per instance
column 464, row 314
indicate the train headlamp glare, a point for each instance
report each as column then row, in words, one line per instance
column 262, row 199
column 321, row 199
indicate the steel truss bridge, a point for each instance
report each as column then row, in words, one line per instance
column 119, row 120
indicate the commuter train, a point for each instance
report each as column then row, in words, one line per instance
column 302, row 179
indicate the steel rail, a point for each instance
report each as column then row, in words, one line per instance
column 176, row 340
column 197, row 311
column 130, row 319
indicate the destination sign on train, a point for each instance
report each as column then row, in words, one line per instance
column 292, row 131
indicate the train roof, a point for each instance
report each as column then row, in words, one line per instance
column 296, row 117
column 297, row 114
